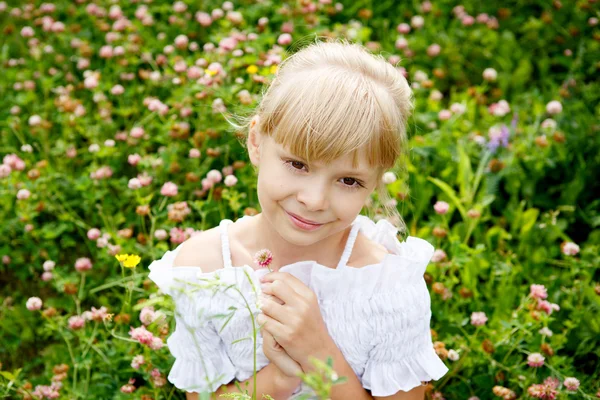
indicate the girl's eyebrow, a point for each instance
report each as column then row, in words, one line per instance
column 356, row 172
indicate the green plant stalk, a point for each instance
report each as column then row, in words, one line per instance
column 253, row 337
column 87, row 381
column 472, row 224
column 90, row 342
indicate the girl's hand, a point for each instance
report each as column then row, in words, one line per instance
column 277, row 354
column 295, row 320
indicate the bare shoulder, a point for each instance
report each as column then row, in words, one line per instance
column 366, row 252
column 202, row 250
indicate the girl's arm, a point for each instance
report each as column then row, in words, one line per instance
column 269, row 380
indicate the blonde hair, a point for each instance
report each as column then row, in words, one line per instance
column 334, row 98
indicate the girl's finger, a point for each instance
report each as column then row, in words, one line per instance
column 273, row 327
column 274, row 310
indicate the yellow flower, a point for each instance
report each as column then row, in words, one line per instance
column 128, row 260
column 273, row 69
column 252, row 69
column 131, row 261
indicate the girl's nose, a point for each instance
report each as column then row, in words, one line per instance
column 314, row 198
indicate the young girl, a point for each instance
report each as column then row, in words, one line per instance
column 329, row 126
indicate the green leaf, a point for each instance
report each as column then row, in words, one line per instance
column 529, row 217
column 450, row 193
column 7, row 375
column 465, row 173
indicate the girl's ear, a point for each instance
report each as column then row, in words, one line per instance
column 254, row 141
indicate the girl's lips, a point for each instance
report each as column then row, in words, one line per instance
column 302, row 224
column 304, row 220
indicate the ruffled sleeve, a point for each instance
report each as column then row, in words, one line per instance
column 402, row 353
column 201, row 361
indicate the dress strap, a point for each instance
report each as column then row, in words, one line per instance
column 349, row 244
column 225, row 243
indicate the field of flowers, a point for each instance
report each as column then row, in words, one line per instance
column 116, row 146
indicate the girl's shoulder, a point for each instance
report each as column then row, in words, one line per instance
column 366, row 252
column 201, row 250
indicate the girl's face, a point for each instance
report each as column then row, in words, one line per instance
column 328, row 196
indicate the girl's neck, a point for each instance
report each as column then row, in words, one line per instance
column 326, row 252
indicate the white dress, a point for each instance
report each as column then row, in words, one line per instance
column 377, row 315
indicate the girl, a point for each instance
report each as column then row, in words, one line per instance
column 329, row 126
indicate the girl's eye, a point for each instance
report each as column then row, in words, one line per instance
column 352, row 183
column 296, row 164
column 349, row 181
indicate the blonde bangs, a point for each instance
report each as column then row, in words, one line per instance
column 329, row 112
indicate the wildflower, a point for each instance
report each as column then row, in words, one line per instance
column 160, row 234
column 157, row 378
column 156, row 343
column 434, row 50
column 547, row 307
column 538, row 291
column 263, row 258
column 552, row 382
column 35, row 120
column 458, row 108
column 499, row 109
column 230, row 180
column 129, row 387
column 142, row 335
column 181, row 41
column 541, row 391
column 178, row 211
column 535, row 360
column 284, row 39
column 417, row 22
column 478, row 318
column 169, row 189
column 441, row 207
column 389, row 177
column 554, row 107
column 147, row 315
column 490, row 74
column 134, row 183
column 498, row 137
column 76, row 322
column 438, row 255
column 444, row 115
column 137, row 361
column 570, row 249
column 473, row 213
column 117, row 90
column 128, row 260
column 453, row 355
column 27, row 32
column 137, row 132
column 572, row 384
column 214, row 176
column 83, row 264
column 252, row 69
column 545, row 331
column 503, row 392
column 23, row 194
column 34, row 303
